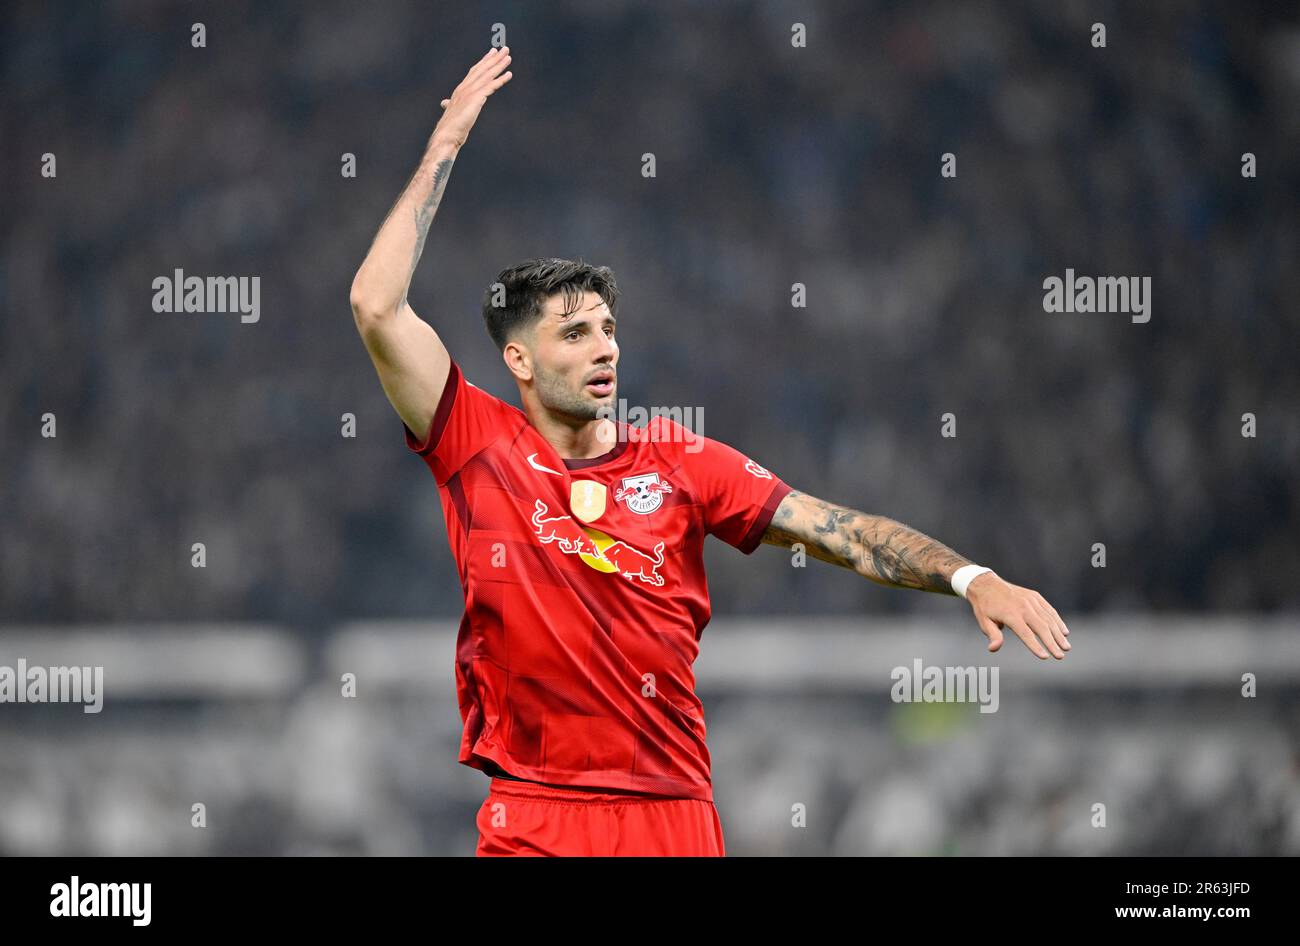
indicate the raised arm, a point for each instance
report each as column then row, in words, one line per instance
column 411, row 360
column 890, row 553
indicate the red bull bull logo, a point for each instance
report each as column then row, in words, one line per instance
column 561, row 530
column 598, row 550
column 633, row 563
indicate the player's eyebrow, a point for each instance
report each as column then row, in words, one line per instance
column 569, row 324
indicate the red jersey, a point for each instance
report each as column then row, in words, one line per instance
column 585, row 593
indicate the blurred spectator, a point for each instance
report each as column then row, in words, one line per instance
column 776, row 165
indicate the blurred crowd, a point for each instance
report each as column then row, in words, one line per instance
column 775, row 165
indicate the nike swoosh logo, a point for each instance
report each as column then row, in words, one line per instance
column 532, row 461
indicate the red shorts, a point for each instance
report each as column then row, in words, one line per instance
column 525, row 818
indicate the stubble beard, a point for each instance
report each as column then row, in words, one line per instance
column 558, row 398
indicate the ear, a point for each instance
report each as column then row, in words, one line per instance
column 518, row 359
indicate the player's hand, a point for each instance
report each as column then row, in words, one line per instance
column 461, row 110
column 998, row 604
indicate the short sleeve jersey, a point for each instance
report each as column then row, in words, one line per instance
column 585, row 592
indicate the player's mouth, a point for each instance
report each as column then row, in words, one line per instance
column 601, row 384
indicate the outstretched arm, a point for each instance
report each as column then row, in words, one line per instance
column 411, row 360
column 890, row 553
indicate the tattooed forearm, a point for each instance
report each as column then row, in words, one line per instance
column 384, row 279
column 881, row 549
column 425, row 210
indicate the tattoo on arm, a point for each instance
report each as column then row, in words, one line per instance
column 883, row 550
column 381, row 270
column 425, row 211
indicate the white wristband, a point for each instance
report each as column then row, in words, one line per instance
column 963, row 576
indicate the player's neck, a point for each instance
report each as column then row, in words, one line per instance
column 592, row 439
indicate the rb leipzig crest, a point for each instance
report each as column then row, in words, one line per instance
column 644, row 493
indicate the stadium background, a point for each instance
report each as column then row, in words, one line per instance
column 775, row 165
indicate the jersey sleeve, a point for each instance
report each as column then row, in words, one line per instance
column 738, row 496
column 467, row 420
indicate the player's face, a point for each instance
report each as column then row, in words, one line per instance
column 575, row 357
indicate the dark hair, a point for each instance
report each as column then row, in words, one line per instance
column 529, row 284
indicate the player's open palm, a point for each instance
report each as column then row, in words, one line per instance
column 998, row 604
column 462, row 109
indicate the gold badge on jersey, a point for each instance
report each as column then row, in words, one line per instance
column 587, row 499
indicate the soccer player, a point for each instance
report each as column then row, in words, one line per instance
column 579, row 540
